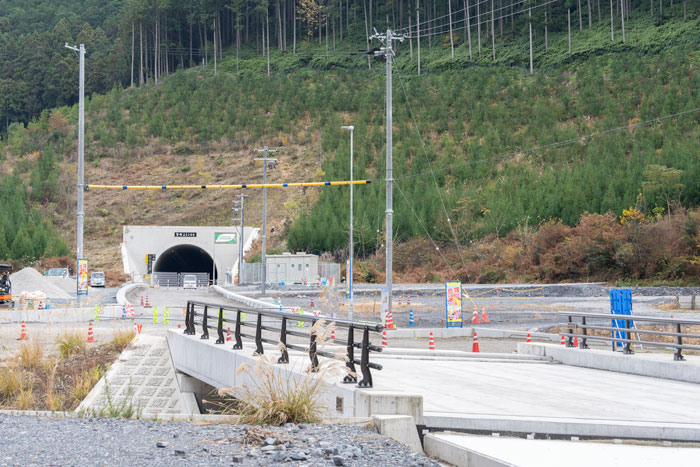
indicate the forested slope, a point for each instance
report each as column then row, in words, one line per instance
column 606, row 126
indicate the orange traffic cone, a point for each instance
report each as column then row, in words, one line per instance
column 528, row 338
column 384, row 341
column 23, row 335
column 475, row 344
column 563, row 341
column 332, row 334
column 431, row 342
column 228, row 335
column 91, row 337
column 389, row 321
column 484, row 316
column 475, row 316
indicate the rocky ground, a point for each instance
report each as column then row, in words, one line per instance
column 32, row 440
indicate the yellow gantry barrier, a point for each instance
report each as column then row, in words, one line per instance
column 219, row 187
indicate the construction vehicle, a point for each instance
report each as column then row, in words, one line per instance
column 5, row 285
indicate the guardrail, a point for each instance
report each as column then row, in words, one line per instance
column 623, row 333
column 198, row 314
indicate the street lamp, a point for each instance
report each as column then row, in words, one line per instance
column 351, row 129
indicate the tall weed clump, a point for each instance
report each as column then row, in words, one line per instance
column 275, row 396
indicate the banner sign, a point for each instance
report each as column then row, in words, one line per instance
column 453, row 304
column 225, row 237
column 82, row 276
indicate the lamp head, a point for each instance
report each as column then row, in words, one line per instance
column 347, row 127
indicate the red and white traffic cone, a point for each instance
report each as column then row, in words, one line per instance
column 389, row 321
column 408, row 300
column 475, row 344
column 23, row 334
column 147, row 304
column 475, row 316
column 91, row 337
column 332, row 334
column 384, row 341
column 484, row 316
column 563, row 341
column 312, row 303
column 141, row 300
column 431, row 342
column 528, row 338
column 399, row 300
column 575, row 341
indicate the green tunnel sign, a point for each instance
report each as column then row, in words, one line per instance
column 225, row 237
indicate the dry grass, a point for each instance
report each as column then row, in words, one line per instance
column 70, row 343
column 26, row 398
column 275, row 397
column 84, row 383
column 10, row 382
column 30, row 355
column 122, row 338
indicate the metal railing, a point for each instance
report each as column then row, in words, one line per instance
column 198, row 314
column 622, row 327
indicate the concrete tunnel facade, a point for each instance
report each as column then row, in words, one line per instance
column 182, row 249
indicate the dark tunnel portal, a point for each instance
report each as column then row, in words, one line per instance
column 183, row 259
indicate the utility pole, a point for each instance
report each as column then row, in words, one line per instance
column 388, row 52
column 240, row 205
column 265, row 160
column 351, row 256
column 81, row 158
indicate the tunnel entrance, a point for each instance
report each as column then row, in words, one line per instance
column 184, row 259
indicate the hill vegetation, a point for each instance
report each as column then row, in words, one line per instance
column 485, row 153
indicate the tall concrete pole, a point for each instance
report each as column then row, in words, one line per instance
column 81, row 160
column 351, row 255
column 241, row 241
column 265, row 160
column 389, row 169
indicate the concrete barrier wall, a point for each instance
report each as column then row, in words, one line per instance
column 59, row 315
column 655, row 365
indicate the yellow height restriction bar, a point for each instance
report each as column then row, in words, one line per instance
column 219, row 187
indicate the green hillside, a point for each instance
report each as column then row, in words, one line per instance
column 607, row 127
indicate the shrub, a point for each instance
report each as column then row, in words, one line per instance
column 30, row 355
column 84, row 383
column 70, row 343
column 122, row 338
column 10, row 382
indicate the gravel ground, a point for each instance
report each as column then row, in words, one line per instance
column 30, row 440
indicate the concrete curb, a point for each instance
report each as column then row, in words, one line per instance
column 635, row 364
column 459, row 455
column 562, row 427
column 446, row 333
column 253, row 302
column 121, row 293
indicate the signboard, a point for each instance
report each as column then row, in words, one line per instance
column 150, row 259
column 82, row 277
column 453, row 304
column 384, row 305
column 185, row 234
column 225, row 237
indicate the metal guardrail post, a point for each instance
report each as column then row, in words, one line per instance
column 350, row 364
column 284, row 358
column 628, row 345
column 258, row 336
column 312, row 348
column 205, row 329
column 677, row 355
column 188, row 330
column 220, row 327
column 582, row 344
column 570, row 338
column 239, row 343
column 366, row 381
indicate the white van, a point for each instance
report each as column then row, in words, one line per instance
column 189, row 281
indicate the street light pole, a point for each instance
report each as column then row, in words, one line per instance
column 81, row 159
column 265, row 160
column 351, row 256
column 241, row 238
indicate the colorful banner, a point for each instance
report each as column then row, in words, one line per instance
column 82, row 277
column 225, row 237
column 453, row 304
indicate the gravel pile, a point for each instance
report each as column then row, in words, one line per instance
column 30, row 280
column 30, row 440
